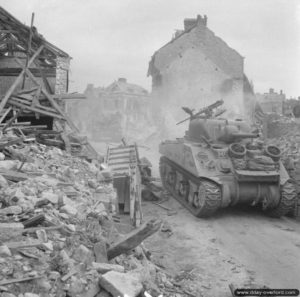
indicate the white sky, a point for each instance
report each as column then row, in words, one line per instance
column 116, row 38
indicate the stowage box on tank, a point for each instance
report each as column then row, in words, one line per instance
column 219, row 163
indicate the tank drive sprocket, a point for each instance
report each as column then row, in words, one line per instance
column 288, row 196
column 202, row 197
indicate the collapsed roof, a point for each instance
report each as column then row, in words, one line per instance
column 14, row 37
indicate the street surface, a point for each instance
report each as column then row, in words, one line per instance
column 240, row 246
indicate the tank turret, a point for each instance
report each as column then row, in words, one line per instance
column 219, row 130
column 219, row 163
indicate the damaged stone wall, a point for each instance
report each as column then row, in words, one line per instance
column 196, row 69
column 62, row 75
column 62, row 80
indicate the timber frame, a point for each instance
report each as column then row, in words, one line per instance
column 19, row 42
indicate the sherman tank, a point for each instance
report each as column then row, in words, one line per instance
column 221, row 163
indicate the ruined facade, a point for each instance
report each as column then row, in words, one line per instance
column 50, row 69
column 195, row 69
column 111, row 113
column 272, row 101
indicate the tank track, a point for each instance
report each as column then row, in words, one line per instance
column 287, row 201
column 203, row 196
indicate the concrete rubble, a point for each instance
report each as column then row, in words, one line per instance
column 56, row 231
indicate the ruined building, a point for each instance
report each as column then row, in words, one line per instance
column 195, row 69
column 113, row 112
column 272, row 101
column 50, row 69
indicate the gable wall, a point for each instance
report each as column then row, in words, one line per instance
column 195, row 70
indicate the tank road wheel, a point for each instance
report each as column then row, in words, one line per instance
column 192, row 190
column 287, row 201
column 171, row 177
column 184, row 189
column 201, row 197
column 207, row 200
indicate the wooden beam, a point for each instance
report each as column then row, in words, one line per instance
column 69, row 96
column 18, row 280
column 34, row 109
column 14, row 175
column 18, row 80
column 30, row 103
column 28, row 49
column 21, row 92
column 8, row 31
column 11, row 120
column 49, row 97
column 134, row 238
column 5, row 114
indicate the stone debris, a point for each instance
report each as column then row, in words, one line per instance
column 105, row 267
column 58, row 235
column 121, row 284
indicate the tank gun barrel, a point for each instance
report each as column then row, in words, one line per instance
column 244, row 135
column 232, row 137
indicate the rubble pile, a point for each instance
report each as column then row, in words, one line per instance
column 57, row 231
column 278, row 126
column 289, row 145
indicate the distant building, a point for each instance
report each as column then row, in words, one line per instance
column 195, row 69
column 272, row 101
column 126, row 98
column 110, row 113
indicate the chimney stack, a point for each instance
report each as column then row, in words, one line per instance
column 190, row 23
column 122, row 79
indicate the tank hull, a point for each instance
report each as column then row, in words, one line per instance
column 205, row 178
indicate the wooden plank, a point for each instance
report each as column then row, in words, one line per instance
column 52, row 101
column 121, row 151
column 34, row 109
column 27, row 91
column 5, row 143
column 33, row 104
column 133, row 239
column 36, row 97
column 24, row 244
column 52, row 142
column 120, row 169
column 18, row 80
column 130, row 204
column 34, row 229
column 5, row 114
column 24, row 97
column 28, row 48
column 112, row 164
column 18, row 280
column 8, row 31
column 14, row 175
column 11, row 120
column 69, row 96
column 34, row 221
column 119, row 157
column 122, row 147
